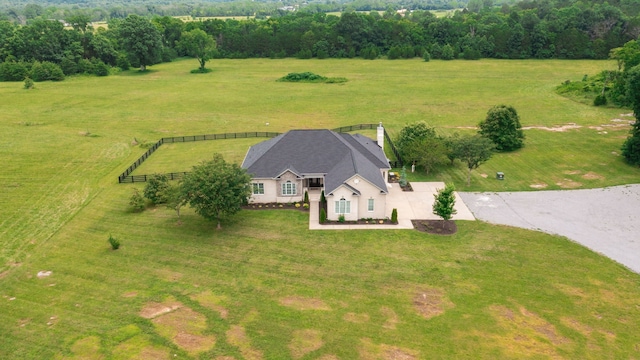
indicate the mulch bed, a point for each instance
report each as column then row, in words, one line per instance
column 274, row 206
column 361, row 222
column 438, row 227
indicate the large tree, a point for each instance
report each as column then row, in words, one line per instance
column 502, row 126
column 429, row 153
column 141, row 40
column 215, row 188
column 198, row 44
column 631, row 147
column 411, row 135
column 473, row 151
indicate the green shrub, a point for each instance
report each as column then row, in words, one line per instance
column 115, row 243
column 136, row 201
column 394, row 216
column 13, row 71
column 28, row 83
column 100, row 68
column 156, row 188
column 323, row 200
column 305, row 206
column 341, row 218
column 600, row 100
column 323, row 216
column 306, row 197
column 426, row 56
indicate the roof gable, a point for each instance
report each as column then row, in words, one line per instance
column 338, row 156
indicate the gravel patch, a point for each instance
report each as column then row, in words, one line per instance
column 604, row 220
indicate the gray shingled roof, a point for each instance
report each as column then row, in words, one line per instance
column 338, row 156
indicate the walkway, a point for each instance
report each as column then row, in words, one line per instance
column 411, row 205
column 604, row 220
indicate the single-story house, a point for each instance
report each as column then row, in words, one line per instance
column 350, row 169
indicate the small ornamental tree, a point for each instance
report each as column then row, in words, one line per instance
column 156, row 187
column 136, row 201
column 306, row 197
column 175, row 197
column 216, row 189
column 323, row 216
column 502, row 126
column 473, row 151
column 394, row 216
column 445, row 200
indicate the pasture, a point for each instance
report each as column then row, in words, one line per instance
column 265, row 286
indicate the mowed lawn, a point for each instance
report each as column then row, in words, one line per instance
column 265, row 286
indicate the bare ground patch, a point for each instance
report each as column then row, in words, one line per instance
column 431, row 302
column 304, row 342
column 392, row 318
column 130, row 294
column 568, row 184
column 184, row 327
column 168, row 275
column 212, row 301
column 302, row 303
column 562, row 128
column 571, row 172
column 370, row 351
column 356, row 318
column 592, row 176
column 153, row 309
column 526, row 334
column 237, row 337
column 538, row 186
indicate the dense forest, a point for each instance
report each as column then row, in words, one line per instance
column 537, row 29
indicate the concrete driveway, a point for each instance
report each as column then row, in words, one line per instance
column 604, row 220
column 411, row 205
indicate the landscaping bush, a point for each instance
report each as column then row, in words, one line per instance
column 136, row 201
column 28, row 83
column 115, row 243
column 600, row 100
column 323, row 216
column 156, row 188
column 306, row 197
column 100, row 68
column 394, row 216
column 13, row 71
column 341, row 219
column 426, row 56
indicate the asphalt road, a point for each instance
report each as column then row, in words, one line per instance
column 604, row 220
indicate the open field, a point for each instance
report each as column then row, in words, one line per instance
column 265, row 286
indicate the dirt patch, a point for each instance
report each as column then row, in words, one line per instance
column 153, row 309
column 438, row 227
column 538, row 186
column 569, row 184
column 431, row 302
column 184, row 327
column 571, row 172
column 370, row 351
column 592, row 176
column 563, row 128
column 130, row 294
column 356, row 318
column 576, row 325
column 152, row 353
column 302, row 303
column 213, row 302
column 237, row 337
column 392, row 318
column 484, row 175
column 304, row 342
column 523, row 333
column 328, row 357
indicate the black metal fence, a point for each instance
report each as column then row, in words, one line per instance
column 126, row 176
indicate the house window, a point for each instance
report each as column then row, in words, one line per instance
column 370, row 205
column 289, row 188
column 343, row 206
column 258, row 188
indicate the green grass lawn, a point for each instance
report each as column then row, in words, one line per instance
column 265, row 286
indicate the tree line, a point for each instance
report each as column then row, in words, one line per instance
column 532, row 29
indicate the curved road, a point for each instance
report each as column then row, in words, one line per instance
column 604, row 220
